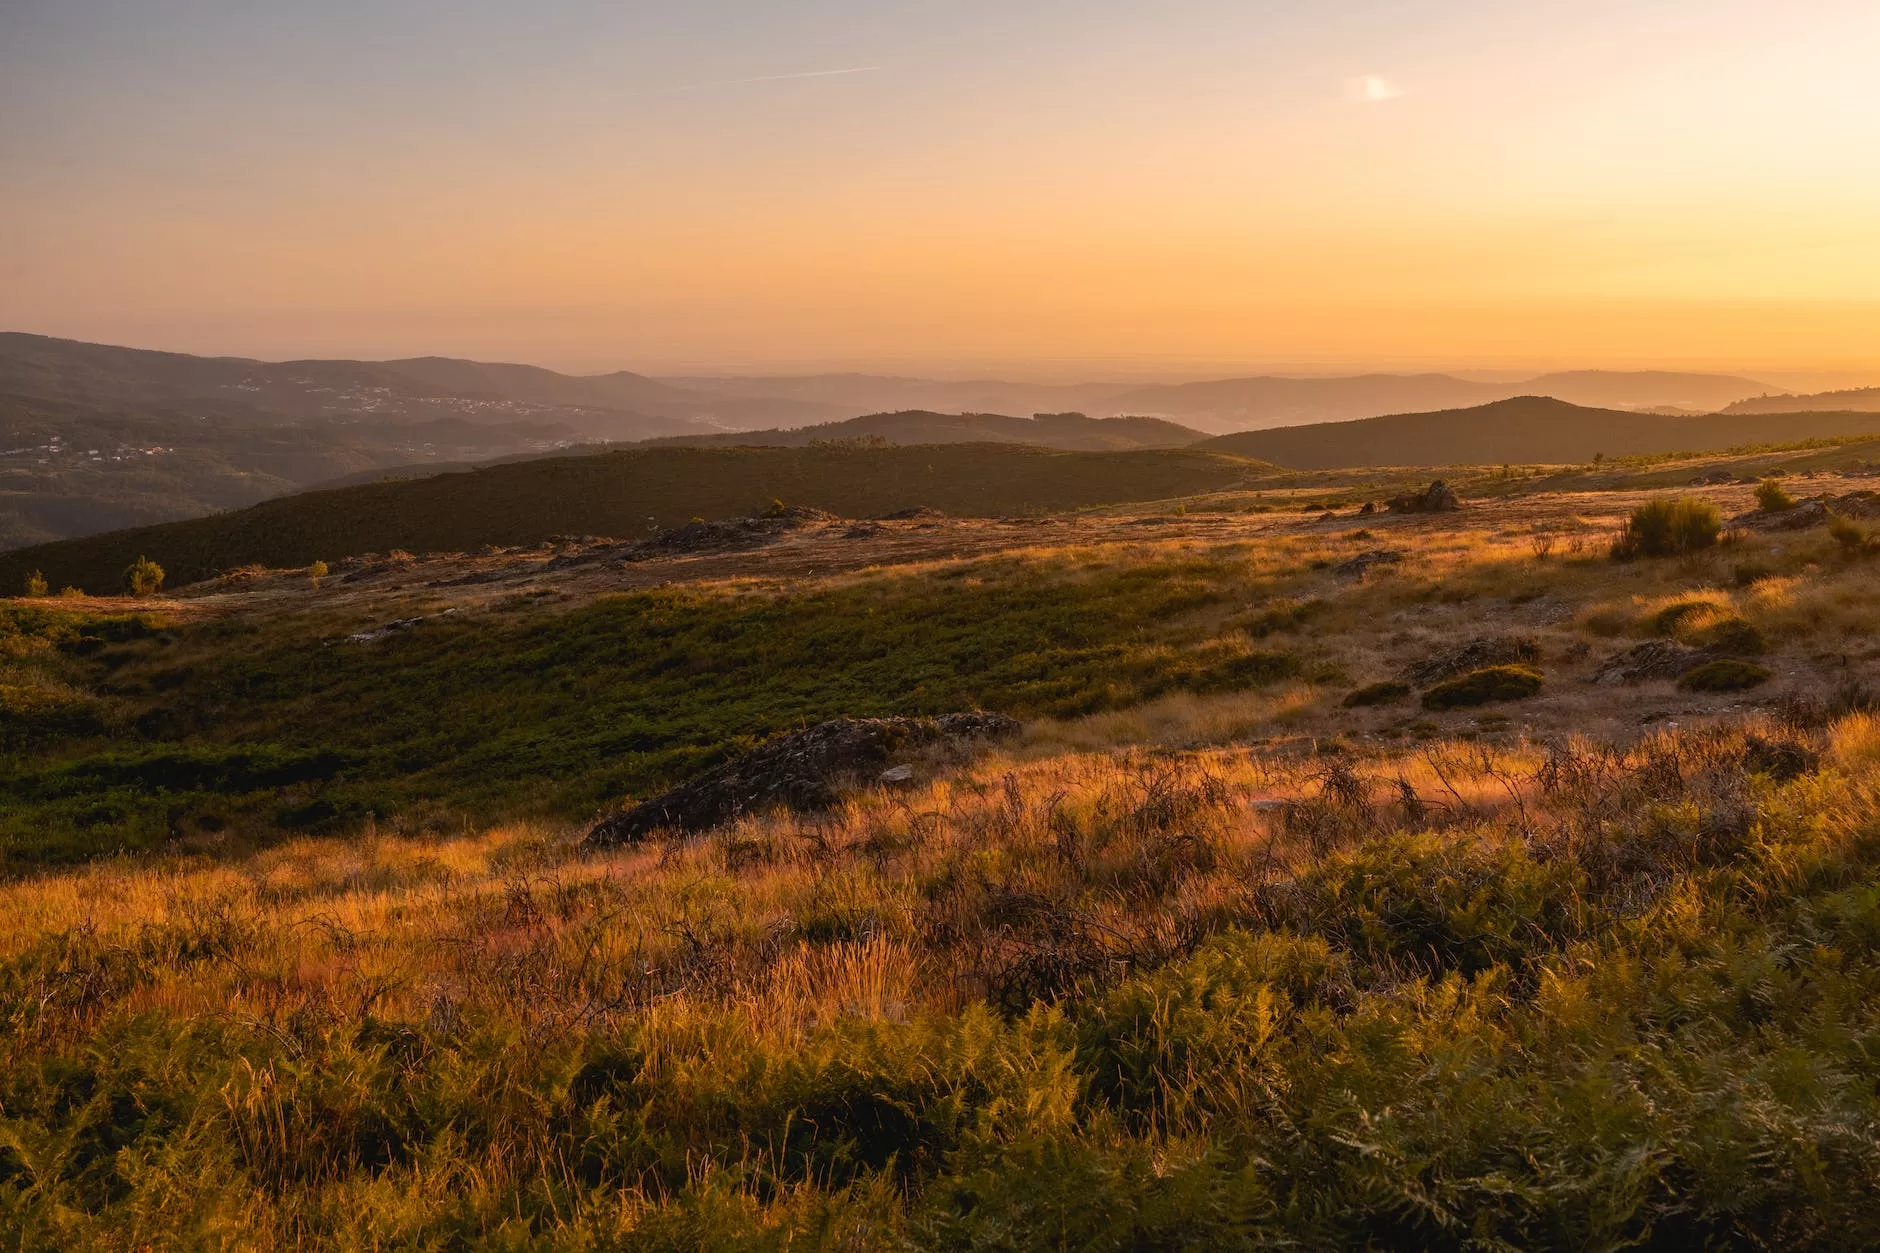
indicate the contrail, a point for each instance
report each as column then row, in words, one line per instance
column 774, row 78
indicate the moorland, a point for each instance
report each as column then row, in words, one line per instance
column 1505, row 876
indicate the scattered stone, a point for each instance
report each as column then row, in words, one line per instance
column 1862, row 505
column 897, row 774
column 729, row 535
column 799, row 771
column 1364, row 561
column 1477, row 654
column 1801, row 517
column 468, row 580
column 393, row 628
column 909, row 515
column 1367, row 509
column 1438, row 497
column 864, row 530
column 1654, row 659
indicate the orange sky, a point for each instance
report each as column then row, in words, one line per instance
column 1030, row 186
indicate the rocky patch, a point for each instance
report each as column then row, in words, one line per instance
column 800, row 771
column 1477, row 654
column 1438, row 497
column 1654, row 659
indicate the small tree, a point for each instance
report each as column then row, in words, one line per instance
column 1772, row 498
column 316, row 572
column 144, row 577
column 36, row 584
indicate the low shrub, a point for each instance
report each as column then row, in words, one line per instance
column 1280, row 615
column 1728, row 674
column 1731, row 635
column 1852, row 537
column 1772, row 497
column 1750, row 573
column 1667, row 620
column 1481, row 687
column 1669, row 527
column 1384, row 693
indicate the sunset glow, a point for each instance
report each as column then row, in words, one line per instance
column 733, row 184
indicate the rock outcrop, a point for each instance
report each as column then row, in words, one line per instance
column 1438, row 497
column 800, row 771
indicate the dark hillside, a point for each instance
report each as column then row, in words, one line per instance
column 1527, row 429
column 1854, row 400
column 626, row 494
column 1069, row 431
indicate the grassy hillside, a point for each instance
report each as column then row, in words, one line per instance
column 126, row 731
column 1241, row 945
column 1528, row 429
column 1069, row 431
column 625, row 494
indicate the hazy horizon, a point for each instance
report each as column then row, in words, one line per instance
column 1048, row 373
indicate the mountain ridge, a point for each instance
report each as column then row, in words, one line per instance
column 1527, row 430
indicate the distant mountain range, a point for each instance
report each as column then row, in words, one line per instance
column 95, row 437
column 1237, row 404
column 1527, row 430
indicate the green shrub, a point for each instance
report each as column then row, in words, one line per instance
column 1383, row 693
column 1480, row 687
column 1669, row 527
column 1772, row 498
column 1726, row 675
column 1731, row 635
column 143, row 578
column 1851, row 536
column 1667, row 620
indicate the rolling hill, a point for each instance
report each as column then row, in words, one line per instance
column 626, row 494
column 1067, row 431
column 1525, row 429
column 1856, row 400
column 1225, row 405
column 620, row 405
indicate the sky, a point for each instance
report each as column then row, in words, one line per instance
column 1052, row 188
